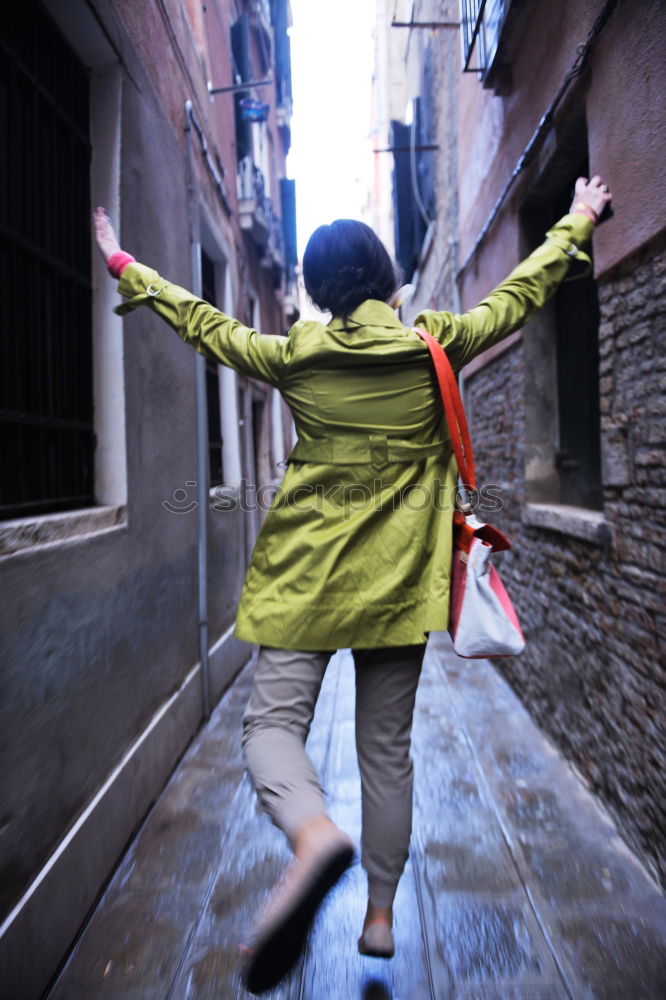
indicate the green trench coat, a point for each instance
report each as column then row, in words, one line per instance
column 356, row 548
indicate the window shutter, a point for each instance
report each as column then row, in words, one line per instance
column 288, row 207
column 282, row 51
column 240, row 48
column 409, row 228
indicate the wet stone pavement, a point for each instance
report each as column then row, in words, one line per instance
column 517, row 888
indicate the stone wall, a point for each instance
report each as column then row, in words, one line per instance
column 595, row 616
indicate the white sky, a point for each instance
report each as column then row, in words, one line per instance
column 332, row 61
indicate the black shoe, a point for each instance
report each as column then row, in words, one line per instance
column 280, row 943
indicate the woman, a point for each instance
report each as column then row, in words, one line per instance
column 356, row 549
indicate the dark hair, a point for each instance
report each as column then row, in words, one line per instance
column 344, row 264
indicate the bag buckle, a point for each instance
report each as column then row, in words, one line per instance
column 462, row 501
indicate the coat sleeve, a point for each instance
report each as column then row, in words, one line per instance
column 211, row 332
column 517, row 298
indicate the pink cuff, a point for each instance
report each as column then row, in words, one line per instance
column 584, row 210
column 117, row 262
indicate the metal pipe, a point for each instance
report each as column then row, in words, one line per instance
column 454, row 246
column 193, row 122
column 533, row 146
column 238, row 86
column 201, row 425
column 432, row 25
column 427, row 147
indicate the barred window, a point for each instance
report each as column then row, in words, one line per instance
column 482, row 24
column 212, row 381
column 472, row 31
column 46, row 402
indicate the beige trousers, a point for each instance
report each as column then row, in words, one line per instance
column 276, row 724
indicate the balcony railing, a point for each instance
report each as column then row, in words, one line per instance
column 252, row 201
column 273, row 259
column 257, row 217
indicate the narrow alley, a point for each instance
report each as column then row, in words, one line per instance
column 518, row 886
column 222, row 224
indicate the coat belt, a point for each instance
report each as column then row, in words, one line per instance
column 377, row 450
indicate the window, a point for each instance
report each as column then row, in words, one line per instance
column 578, row 457
column 562, row 387
column 46, row 395
column 240, row 51
column 262, row 152
column 280, row 20
column 251, row 402
column 489, row 31
column 212, row 382
column 472, row 33
column 258, row 436
column 414, row 191
column 481, row 22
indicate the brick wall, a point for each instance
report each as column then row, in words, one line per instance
column 595, row 617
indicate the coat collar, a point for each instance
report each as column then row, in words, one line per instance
column 372, row 312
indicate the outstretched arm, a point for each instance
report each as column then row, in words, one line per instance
column 211, row 332
column 105, row 235
column 527, row 288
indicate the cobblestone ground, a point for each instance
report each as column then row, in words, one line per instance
column 518, row 886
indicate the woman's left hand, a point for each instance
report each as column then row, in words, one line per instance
column 593, row 194
column 105, row 234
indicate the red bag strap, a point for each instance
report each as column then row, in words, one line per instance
column 453, row 409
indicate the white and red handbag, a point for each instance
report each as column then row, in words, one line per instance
column 482, row 619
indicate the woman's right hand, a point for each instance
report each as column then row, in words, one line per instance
column 593, row 194
column 105, row 234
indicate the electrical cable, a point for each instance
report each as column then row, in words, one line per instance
column 415, row 181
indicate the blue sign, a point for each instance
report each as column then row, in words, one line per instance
column 254, row 111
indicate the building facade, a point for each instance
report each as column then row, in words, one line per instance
column 567, row 415
column 130, row 466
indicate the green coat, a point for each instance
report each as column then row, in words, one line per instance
column 356, row 548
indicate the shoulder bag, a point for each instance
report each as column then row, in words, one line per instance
column 482, row 619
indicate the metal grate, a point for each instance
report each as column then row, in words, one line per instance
column 472, row 32
column 212, row 382
column 46, row 404
column 481, row 25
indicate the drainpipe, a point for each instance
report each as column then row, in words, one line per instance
column 456, row 304
column 202, row 428
column 454, row 246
